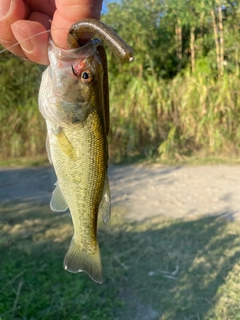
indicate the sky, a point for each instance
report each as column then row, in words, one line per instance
column 104, row 6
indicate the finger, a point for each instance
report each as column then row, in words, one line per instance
column 33, row 40
column 69, row 12
column 46, row 7
column 11, row 11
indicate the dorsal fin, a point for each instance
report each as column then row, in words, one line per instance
column 103, row 56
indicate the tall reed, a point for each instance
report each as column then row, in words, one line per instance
column 22, row 130
column 181, row 117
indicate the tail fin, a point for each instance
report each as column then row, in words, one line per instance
column 78, row 260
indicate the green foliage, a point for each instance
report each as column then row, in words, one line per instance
column 139, row 24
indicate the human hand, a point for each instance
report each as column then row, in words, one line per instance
column 22, row 19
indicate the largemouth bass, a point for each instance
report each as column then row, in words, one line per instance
column 73, row 99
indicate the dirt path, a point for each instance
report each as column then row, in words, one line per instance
column 145, row 191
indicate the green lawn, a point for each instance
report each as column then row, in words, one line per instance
column 155, row 269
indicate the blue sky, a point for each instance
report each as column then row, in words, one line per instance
column 104, row 6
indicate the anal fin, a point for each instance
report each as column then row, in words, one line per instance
column 58, row 202
column 105, row 204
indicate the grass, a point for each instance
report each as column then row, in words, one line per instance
column 25, row 162
column 155, row 269
column 192, row 161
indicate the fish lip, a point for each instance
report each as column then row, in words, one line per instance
column 70, row 54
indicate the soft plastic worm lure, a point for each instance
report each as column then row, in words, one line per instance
column 105, row 33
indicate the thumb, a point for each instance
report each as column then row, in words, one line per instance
column 69, row 12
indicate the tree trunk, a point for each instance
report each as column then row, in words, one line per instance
column 221, row 40
column 215, row 32
column 178, row 32
column 192, row 48
column 236, row 62
column 202, row 28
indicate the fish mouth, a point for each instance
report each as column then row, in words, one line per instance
column 82, row 52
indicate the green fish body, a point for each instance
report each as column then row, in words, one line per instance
column 73, row 102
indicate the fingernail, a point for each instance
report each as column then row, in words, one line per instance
column 4, row 7
column 22, row 38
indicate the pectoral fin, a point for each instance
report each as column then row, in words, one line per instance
column 105, row 204
column 58, row 202
column 66, row 145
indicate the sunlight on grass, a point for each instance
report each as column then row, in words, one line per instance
column 156, row 269
column 25, row 162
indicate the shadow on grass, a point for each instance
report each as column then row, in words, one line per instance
column 156, row 269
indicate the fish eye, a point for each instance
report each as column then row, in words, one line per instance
column 86, row 76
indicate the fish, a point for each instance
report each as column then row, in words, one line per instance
column 74, row 100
